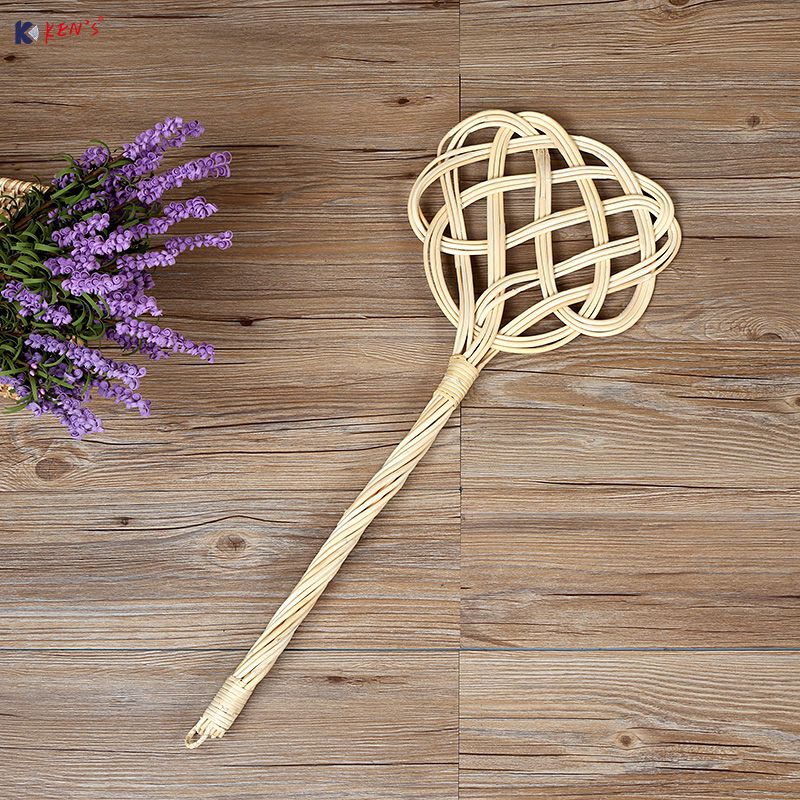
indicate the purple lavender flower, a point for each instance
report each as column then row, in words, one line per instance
column 179, row 244
column 104, row 222
column 164, row 338
column 33, row 304
column 122, row 394
column 215, row 165
column 172, row 132
column 69, row 236
column 94, row 156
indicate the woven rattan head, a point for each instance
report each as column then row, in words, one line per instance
column 480, row 331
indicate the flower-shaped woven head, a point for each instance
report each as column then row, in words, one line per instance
column 481, row 331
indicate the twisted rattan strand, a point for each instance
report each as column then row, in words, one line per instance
column 15, row 187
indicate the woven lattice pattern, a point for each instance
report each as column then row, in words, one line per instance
column 477, row 320
column 11, row 192
column 481, row 332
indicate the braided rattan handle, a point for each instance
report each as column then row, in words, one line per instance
column 387, row 481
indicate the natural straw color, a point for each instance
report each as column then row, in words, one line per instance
column 11, row 194
column 480, row 331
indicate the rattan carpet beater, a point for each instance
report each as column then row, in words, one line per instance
column 481, row 332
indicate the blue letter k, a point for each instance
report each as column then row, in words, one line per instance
column 21, row 33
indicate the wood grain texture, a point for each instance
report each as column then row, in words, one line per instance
column 637, row 427
column 686, row 89
column 620, row 725
column 279, row 410
column 643, row 494
column 628, row 618
column 696, row 95
column 113, row 723
column 258, row 74
column 199, row 570
column 177, row 537
column 629, row 567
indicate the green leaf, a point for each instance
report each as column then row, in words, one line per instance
column 47, row 248
column 34, row 388
column 61, row 382
column 92, row 303
column 61, row 192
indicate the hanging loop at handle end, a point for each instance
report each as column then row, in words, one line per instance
column 221, row 712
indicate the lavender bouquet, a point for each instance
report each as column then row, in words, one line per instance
column 76, row 263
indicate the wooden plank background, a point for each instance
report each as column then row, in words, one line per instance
column 589, row 588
